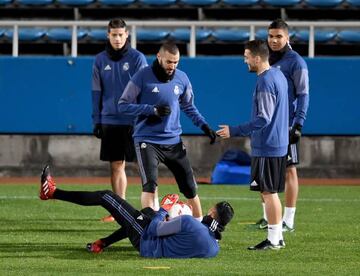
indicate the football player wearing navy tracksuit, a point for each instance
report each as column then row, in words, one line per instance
column 155, row 95
column 149, row 231
column 268, row 130
column 112, row 71
column 294, row 67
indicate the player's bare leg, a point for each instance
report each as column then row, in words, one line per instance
column 196, row 207
column 291, row 195
column 273, row 213
column 150, row 200
column 118, row 182
column 118, row 178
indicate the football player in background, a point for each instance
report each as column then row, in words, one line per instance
column 112, row 70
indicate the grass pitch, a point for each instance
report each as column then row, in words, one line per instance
column 49, row 237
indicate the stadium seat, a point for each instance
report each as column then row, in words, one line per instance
column 323, row 3
column 231, row 34
column 157, row 2
column 321, row 35
column 183, row 34
column 75, row 2
column 2, row 32
column 116, row 2
column 240, row 2
column 35, row 2
column 5, row 2
column 199, row 2
column 27, row 34
column 151, row 34
column 281, row 3
column 263, row 33
column 64, row 34
column 353, row 3
column 350, row 35
column 98, row 34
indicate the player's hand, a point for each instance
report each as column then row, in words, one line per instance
column 168, row 201
column 224, row 131
column 162, row 110
column 97, row 131
column 209, row 132
column 295, row 134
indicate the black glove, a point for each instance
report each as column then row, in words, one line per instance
column 209, row 132
column 295, row 134
column 162, row 110
column 97, row 131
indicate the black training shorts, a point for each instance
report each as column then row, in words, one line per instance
column 293, row 154
column 268, row 174
column 117, row 143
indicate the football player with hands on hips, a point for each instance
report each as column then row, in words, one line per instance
column 156, row 95
column 150, row 232
column 295, row 69
column 112, row 70
column 268, row 131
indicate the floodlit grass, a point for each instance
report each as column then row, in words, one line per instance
column 48, row 237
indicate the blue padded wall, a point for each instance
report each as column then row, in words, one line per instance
column 53, row 94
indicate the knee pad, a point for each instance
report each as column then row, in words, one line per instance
column 149, row 187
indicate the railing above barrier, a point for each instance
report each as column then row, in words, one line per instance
column 193, row 25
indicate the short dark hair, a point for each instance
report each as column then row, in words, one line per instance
column 224, row 212
column 116, row 23
column 279, row 24
column 170, row 47
column 258, row 47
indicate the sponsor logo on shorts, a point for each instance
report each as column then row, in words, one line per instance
column 254, row 184
column 140, row 217
column 143, row 145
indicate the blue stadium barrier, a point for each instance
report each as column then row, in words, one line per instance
column 198, row 2
column 151, row 34
column 323, row 3
column 241, row 2
column 116, row 2
column 64, row 34
column 75, row 2
column 2, row 32
column 350, row 36
column 27, row 34
column 282, row 3
column 157, row 2
column 353, row 3
column 222, row 96
column 35, row 2
column 5, row 2
column 98, row 34
column 323, row 35
column 183, row 34
column 231, row 34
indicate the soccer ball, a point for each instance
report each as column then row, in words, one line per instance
column 179, row 209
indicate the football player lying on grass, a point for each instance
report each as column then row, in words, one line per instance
column 149, row 231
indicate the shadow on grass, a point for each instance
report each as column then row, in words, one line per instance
column 37, row 230
column 66, row 251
